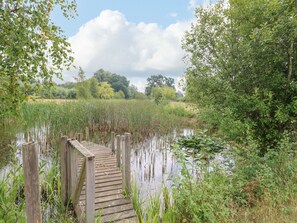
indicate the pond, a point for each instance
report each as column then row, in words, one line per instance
column 152, row 160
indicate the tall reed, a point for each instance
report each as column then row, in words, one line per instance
column 140, row 118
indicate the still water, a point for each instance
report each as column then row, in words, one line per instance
column 153, row 163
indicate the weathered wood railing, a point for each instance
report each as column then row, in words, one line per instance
column 77, row 168
column 121, row 146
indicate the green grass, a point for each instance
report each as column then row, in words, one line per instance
column 12, row 198
column 141, row 118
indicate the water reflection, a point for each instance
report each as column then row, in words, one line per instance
column 153, row 163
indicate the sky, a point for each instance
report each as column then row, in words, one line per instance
column 132, row 38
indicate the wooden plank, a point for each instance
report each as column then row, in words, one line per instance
column 103, row 194
column 90, row 189
column 81, row 180
column 118, row 216
column 113, row 142
column 107, row 173
column 112, row 203
column 78, row 137
column 127, row 162
column 113, row 183
column 123, row 160
column 113, row 210
column 64, row 178
column 68, row 148
column 30, row 154
column 85, row 152
column 87, row 134
column 103, row 189
column 110, row 179
column 106, row 170
column 109, row 198
column 73, row 172
column 104, row 176
column 118, row 151
column 128, row 220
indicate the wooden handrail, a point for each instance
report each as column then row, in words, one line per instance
column 79, row 147
column 72, row 183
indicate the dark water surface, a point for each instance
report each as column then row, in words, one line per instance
column 152, row 160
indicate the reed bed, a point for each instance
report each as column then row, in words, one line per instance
column 140, row 118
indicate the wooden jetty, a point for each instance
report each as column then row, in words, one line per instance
column 93, row 182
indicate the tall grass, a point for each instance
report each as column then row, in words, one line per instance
column 12, row 198
column 141, row 118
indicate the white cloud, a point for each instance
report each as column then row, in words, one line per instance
column 111, row 42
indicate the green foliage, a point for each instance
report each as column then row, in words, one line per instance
column 201, row 145
column 82, row 86
column 83, row 90
column 12, row 205
column 163, row 93
column 158, row 81
column 140, row 96
column 117, row 82
column 242, row 67
column 119, row 95
column 29, row 42
column 222, row 192
column 139, row 117
column 94, row 89
column 132, row 91
column 105, row 90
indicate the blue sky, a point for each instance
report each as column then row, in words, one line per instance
column 163, row 12
column 132, row 38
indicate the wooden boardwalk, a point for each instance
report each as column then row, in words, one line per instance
column 110, row 202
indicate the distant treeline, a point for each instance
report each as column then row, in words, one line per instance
column 106, row 85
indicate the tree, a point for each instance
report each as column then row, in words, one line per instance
column 117, row 82
column 105, row 90
column 94, row 89
column 119, row 95
column 31, row 48
column 165, row 93
column 158, row 81
column 242, row 66
column 132, row 91
column 82, row 86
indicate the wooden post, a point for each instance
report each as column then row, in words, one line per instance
column 79, row 137
column 87, row 134
column 31, row 176
column 64, row 174
column 68, row 167
column 113, row 142
column 123, row 161
column 73, row 172
column 118, row 151
column 90, row 189
column 127, row 162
